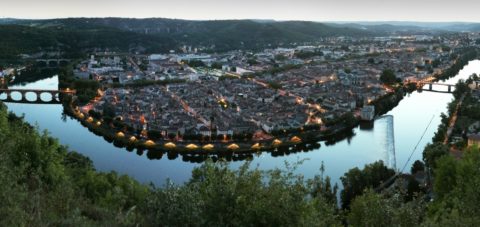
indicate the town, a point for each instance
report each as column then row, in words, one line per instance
column 255, row 95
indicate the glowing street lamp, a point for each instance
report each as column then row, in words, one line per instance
column 233, row 146
column 276, row 142
column 192, row 146
column 170, row 145
column 208, row 147
column 256, row 146
column 296, row 139
column 120, row 134
column 149, row 143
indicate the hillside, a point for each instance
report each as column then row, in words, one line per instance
column 220, row 35
column 18, row 39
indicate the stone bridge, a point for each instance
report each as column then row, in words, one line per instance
column 55, row 95
column 53, row 62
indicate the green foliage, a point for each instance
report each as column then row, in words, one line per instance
column 432, row 152
column 460, row 88
column 371, row 209
column 219, row 196
column 417, row 166
column 347, row 120
column 456, row 189
column 18, row 39
column 355, row 181
column 216, row 65
column 86, row 89
column 308, row 54
column 42, row 184
column 195, row 63
column 280, row 57
column 154, row 135
column 274, row 85
column 388, row 77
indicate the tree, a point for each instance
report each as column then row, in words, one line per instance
column 388, row 77
column 456, row 189
column 417, row 166
column 355, row 181
column 280, row 57
column 372, row 209
column 432, row 152
column 196, row 63
column 154, row 134
column 274, row 85
column 216, row 65
column 460, row 88
column 109, row 110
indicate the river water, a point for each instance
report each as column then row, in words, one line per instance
column 409, row 120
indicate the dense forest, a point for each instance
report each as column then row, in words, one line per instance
column 156, row 34
column 42, row 183
column 19, row 39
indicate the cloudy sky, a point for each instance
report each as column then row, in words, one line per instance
column 314, row 10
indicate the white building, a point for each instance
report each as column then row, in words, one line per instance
column 368, row 113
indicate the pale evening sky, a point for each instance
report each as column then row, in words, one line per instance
column 313, row 10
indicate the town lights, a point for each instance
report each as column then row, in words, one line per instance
column 256, row 146
column 208, row 147
column 276, row 142
column 296, row 139
column 170, row 145
column 99, row 123
column 133, row 139
column 149, row 143
column 192, row 146
column 90, row 119
column 233, row 146
column 120, row 134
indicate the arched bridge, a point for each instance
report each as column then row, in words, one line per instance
column 52, row 62
column 7, row 95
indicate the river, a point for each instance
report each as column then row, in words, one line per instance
column 410, row 119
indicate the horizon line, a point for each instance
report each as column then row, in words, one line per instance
column 239, row 19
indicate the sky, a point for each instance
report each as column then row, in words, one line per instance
column 310, row 10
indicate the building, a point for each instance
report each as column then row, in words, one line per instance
column 474, row 140
column 367, row 113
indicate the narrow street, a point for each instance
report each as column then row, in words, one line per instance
column 453, row 120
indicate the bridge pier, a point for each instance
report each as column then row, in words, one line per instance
column 430, row 86
column 24, row 96
column 39, row 98
column 449, row 88
column 9, row 96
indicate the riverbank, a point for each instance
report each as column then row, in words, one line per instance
column 291, row 140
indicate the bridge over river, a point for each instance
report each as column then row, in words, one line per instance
column 433, row 87
column 20, row 95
